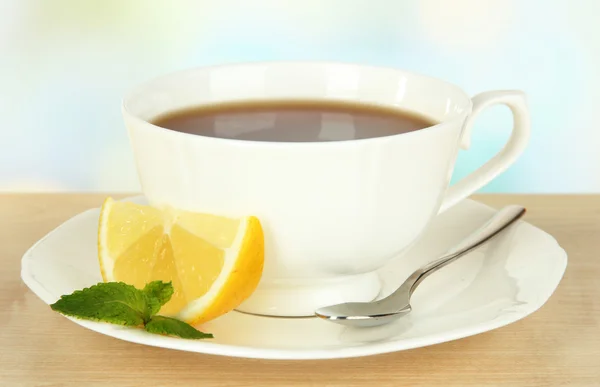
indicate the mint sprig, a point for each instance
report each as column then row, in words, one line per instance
column 123, row 304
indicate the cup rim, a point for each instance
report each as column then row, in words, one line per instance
column 196, row 137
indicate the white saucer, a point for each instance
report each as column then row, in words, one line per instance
column 498, row 284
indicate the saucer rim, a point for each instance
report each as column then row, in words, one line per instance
column 137, row 336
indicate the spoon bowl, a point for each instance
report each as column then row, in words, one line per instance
column 361, row 314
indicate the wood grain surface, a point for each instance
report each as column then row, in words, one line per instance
column 559, row 345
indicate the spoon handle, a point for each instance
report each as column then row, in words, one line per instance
column 503, row 218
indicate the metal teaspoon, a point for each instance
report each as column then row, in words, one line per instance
column 397, row 304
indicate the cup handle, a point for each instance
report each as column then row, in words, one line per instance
column 516, row 144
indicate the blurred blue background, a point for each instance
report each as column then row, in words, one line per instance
column 66, row 65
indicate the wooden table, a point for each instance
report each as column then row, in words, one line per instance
column 557, row 346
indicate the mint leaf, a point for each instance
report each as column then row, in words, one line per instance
column 119, row 303
column 113, row 302
column 157, row 294
column 172, row 327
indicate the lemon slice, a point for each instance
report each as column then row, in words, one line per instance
column 213, row 262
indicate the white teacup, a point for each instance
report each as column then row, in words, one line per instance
column 332, row 212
